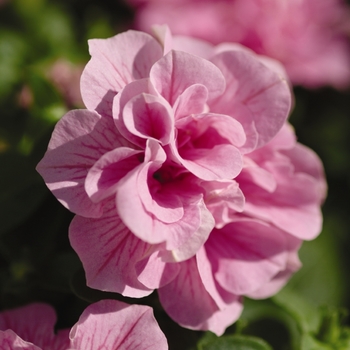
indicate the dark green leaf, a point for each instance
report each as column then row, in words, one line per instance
column 236, row 342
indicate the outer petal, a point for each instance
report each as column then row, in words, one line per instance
column 35, row 324
column 306, row 161
column 246, row 255
column 115, row 62
column 187, row 302
column 80, row 138
column 10, row 341
column 109, row 253
column 293, row 265
column 154, row 273
column 111, row 324
column 255, row 95
column 294, row 206
column 177, row 70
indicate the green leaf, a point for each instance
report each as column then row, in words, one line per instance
column 305, row 314
column 270, row 321
column 236, row 342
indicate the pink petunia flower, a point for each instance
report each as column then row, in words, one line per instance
column 310, row 37
column 107, row 324
column 164, row 164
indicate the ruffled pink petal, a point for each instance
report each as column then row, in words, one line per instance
column 149, row 117
column 111, row 324
column 222, row 298
column 163, row 34
column 102, row 179
column 34, row 323
column 156, row 199
column 130, row 91
column 109, row 253
column 306, row 161
column 116, row 62
column 154, row 272
column 294, row 206
column 10, row 341
column 223, row 198
column 209, row 129
column 182, row 245
column 183, row 237
column 191, row 101
column 177, row 70
column 269, row 62
column 246, row 255
column 206, row 146
column 220, row 162
column 255, row 95
column 80, row 138
column 187, row 302
column 257, row 175
column 279, row 281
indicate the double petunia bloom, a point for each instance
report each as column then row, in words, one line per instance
column 184, row 175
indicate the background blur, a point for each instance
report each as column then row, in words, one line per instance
column 43, row 49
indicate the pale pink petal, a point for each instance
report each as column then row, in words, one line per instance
column 223, row 198
column 306, row 161
column 257, row 175
column 163, row 34
column 187, row 302
column 255, row 96
column 149, row 117
column 176, row 71
column 102, row 179
column 10, row 341
column 210, row 129
column 191, row 101
column 130, row 91
column 206, row 146
column 182, row 237
column 157, row 201
column 80, row 138
column 294, row 206
column 116, row 62
column 221, row 162
column 111, row 325
column 109, row 253
column 279, row 281
column 222, row 298
column 269, row 62
column 246, row 255
column 154, row 272
column 33, row 323
column 184, row 245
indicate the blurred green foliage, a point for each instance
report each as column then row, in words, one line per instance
column 36, row 260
